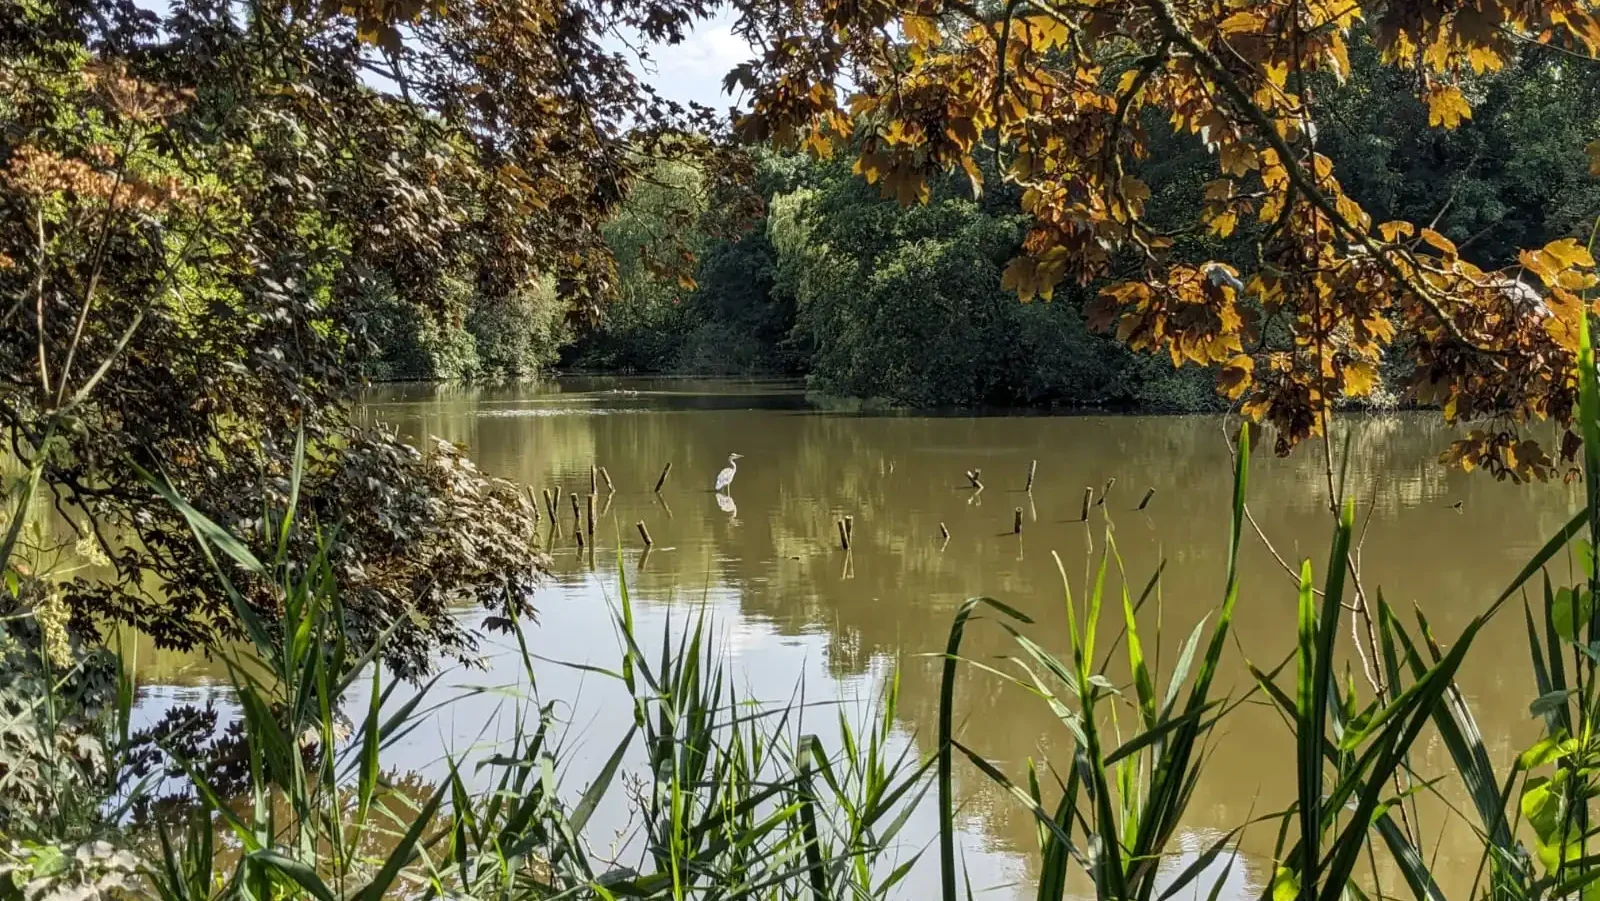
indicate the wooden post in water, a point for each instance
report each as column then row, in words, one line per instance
column 590, row 523
column 1032, row 469
column 844, row 536
column 944, row 532
column 973, row 477
column 1106, row 491
column 555, row 500
column 1016, row 522
column 549, row 505
column 577, row 517
column 1148, row 494
column 663, row 480
column 594, row 483
column 610, row 488
column 850, row 527
column 534, row 502
column 1088, row 496
column 644, row 533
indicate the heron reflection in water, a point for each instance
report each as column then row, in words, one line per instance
column 725, row 477
column 726, row 505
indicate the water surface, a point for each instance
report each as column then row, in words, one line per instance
column 794, row 608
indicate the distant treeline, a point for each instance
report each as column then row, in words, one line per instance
column 870, row 300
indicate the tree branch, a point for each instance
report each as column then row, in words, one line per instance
column 1167, row 17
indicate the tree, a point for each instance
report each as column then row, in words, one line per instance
column 1070, row 98
column 200, row 211
column 905, row 306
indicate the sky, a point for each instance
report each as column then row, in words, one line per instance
column 693, row 70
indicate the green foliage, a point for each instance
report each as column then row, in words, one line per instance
column 91, row 869
column 202, row 224
column 498, row 338
column 517, row 336
column 867, row 299
column 726, row 319
column 905, row 305
column 57, row 699
column 649, row 320
column 1514, row 175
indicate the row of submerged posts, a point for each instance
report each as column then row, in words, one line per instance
column 584, row 513
column 975, row 479
column 584, row 516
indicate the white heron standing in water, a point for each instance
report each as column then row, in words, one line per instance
column 725, row 477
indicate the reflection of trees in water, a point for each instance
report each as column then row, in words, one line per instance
column 900, row 476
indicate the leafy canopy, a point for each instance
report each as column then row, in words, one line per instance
column 1071, row 96
column 203, row 207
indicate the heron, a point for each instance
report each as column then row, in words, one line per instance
column 725, row 477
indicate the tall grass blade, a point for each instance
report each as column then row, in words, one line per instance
column 300, row 873
column 809, row 748
column 1040, row 815
column 1057, row 853
column 1309, row 735
column 403, row 850
column 579, row 818
column 296, row 476
column 947, row 690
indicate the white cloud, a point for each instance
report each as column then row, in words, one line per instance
column 693, row 70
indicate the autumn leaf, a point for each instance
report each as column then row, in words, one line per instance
column 1018, row 277
column 1135, row 193
column 1438, row 242
column 921, row 30
column 1047, row 32
column 905, row 185
column 1222, row 225
column 1484, row 59
column 1360, row 377
column 871, row 166
column 1447, row 106
column 1237, row 158
column 1567, row 253
column 1393, row 231
column 1240, row 22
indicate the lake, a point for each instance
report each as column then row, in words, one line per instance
column 793, row 609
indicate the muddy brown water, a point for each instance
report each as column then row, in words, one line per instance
column 792, row 609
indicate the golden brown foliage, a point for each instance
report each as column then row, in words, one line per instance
column 1062, row 92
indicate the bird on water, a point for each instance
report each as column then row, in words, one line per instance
column 725, row 477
